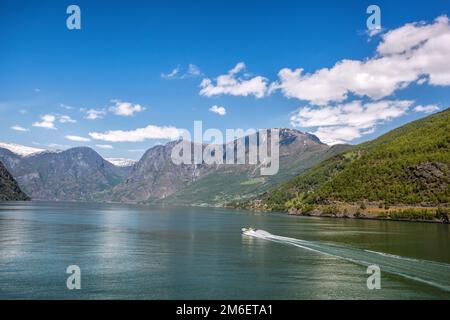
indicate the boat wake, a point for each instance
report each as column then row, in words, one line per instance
column 432, row 273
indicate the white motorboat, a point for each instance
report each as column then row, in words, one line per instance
column 244, row 230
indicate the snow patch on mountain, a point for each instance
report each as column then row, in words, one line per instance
column 21, row 150
column 121, row 162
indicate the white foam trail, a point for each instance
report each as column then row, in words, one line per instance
column 409, row 259
column 432, row 273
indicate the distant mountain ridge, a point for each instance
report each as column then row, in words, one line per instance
column 80, row 174
column 72, row 175
column 409, row 166
column 239, row 182
column 155, row 179
column 155, row 176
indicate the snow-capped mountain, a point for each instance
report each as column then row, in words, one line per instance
column 75, row 174
column 121, row 162
column 21, row 150
column 25, row 151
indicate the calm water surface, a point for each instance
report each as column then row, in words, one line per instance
column 132, row 252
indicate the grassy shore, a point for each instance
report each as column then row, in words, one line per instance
column 397, row 213
column 367, row 211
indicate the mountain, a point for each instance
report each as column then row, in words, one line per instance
column 73, row 174
column 408, row 166
column 155, row 176
column 156, row 179
column 9, row 189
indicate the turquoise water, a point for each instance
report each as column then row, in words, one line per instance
column 133, row 252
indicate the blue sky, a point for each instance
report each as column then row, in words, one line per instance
column 120, row 63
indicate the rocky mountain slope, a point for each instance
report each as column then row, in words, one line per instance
column 156, row 179
column 155, row 176
column 9, row 189
column 74, row 174
column 229, row 183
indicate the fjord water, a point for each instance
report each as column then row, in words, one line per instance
column 138, row 252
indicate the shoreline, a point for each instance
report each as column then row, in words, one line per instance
column 436, row 221
column 367, row 215
column 401, row 213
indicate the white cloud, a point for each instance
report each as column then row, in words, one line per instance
column 104, row 146
column 346, row 122
column 426, row 109
column 125, row 109
column 64, row 106
column 48, row 122
column 221, row 111
column 137, row 135
column 405, row 55
column 230, row 83
column 337, row 134
column 93, row 114
column 192, row 71
column 374, row 32
column 77, row 138
column 19, row 128
column 172, row 74
column 66, row 119
column 422, row 81
column 376, row 79
column 411, row 35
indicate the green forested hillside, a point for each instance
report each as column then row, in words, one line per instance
column 407, row 166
